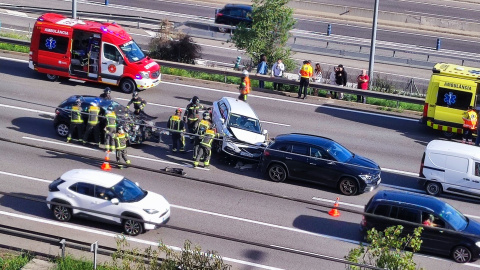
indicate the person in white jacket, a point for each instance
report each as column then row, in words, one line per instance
column 277, row 71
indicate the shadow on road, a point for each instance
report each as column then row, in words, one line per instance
column 329, row 226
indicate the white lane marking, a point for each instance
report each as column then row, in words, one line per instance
column 112, row 235
column 175, row 107
column 295, row 102
column 25, row 177
column 400, row 172
column 96, row 150
column 25, row 109
column 404, row 188
column 264, row 224
column 340, row 202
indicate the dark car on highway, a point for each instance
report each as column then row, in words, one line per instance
column 234, row 14
column 319, row 160
column 448, row 232
column 138, row 129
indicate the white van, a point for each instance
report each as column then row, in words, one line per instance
column 243, row 136
column 451, row 167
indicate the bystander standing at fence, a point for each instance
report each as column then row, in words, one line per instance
column 362, row 80
column 277, row 72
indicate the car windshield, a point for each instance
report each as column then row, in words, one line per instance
column 128, row 191
column 245, row 123
column 456, row 219
column 132, row 51
column 339, row 152
column 117, row 107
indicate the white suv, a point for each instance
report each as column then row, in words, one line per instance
column 242, row 132
column 107, row 193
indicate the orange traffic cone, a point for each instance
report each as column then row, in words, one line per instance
column 106, row 165
column 334, row 212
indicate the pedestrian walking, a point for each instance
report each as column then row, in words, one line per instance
column 469, row 124
column 121, row 139
column 244, row 86
column 76, row 121
column 262, row 69
column 340, row 79
column 92, row 124
column 177, row 128
column 277, row 71
column 362, row 80
column 306, row 72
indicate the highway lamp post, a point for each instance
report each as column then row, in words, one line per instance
column 74, row 9
column 372, row 43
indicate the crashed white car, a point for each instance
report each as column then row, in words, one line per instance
column 242, row 132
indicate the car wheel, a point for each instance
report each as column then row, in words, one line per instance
column 448, row 134
column 461, row 254
column 62, row 129
column 52, row 77
column 433, row 188
column 62, row 213
column 348, row 186
column 277, row 173
column 132, row 227
column 128, row 86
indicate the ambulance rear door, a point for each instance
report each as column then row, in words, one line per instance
column 453, row 99
column 54, row 50
column 112, row 65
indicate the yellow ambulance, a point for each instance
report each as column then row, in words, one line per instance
column 451, row 90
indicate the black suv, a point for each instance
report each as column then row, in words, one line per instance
column 233, row 14
column 444, row 224
column 319, row 160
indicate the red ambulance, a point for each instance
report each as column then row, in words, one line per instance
column 90, row 51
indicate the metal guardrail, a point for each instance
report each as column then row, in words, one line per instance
column 234, row 73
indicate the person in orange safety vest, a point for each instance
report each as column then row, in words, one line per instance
column 306, row 72
column 469, row 124
column 244, row 87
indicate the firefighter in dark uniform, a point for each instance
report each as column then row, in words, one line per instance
column 106, row 94
column 92, row 124
column 205, row 149
column 199, row 129
column 138, row 103
column 110, row 129
column 76, row 121
column 121, row 139
column 177, row 127
column 191, row 114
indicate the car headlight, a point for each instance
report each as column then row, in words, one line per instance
column 151, row 211
column 477, row 244
column 145, row 74
column 366, row 177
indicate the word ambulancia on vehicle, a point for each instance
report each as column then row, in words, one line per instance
column 90, row 51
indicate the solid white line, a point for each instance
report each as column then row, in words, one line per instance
column 404, row 188
column 26, row 177
column 294, row 102
column 25, row 109
column 175, row 107
column 265, row 224
column 129, row 239
column 96, row 150
column 400, row 172
column 340, row 203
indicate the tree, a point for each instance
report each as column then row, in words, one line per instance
column 171, row 45
column 270, row 31
column 387, row 249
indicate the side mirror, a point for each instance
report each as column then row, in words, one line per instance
column 265, row 132
column 120, row 60
column 115, row 201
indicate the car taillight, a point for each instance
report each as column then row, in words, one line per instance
column 421, row 167
column 363, row 222
column 425, row 110
column 219, row 14
column 266, row 153
column 57, row 111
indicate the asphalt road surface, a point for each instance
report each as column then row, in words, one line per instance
column 252, row 209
